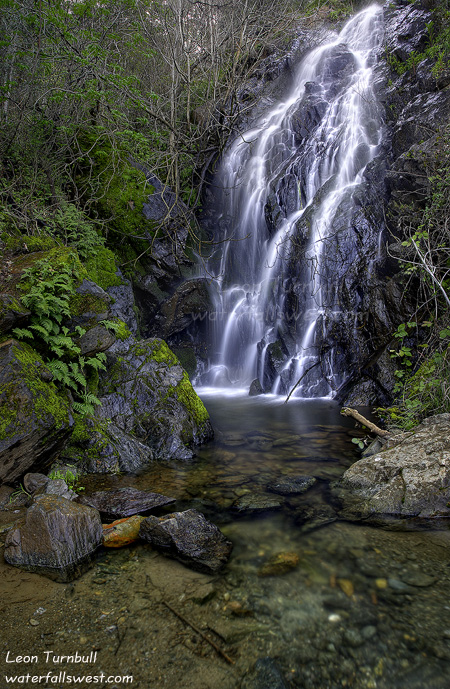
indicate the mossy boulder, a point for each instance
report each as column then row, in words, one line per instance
column 35, row 418
column 148, row 395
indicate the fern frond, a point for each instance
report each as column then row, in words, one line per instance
column 21, row 333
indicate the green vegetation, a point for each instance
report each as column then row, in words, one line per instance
column 71, row 478
column 422, row 346
column 48, row 286
column 438, row 49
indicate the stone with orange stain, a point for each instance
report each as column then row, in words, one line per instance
column 279, row 564
column 122, row 532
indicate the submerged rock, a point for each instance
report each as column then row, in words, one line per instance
column 124, row 502
column 35, row 419
column 253, row 502
column 265, row 675
column 190, row 538
column 313, row 517
column 56, row 538
column 279, row 564
column 292, row 485
column 409, row 481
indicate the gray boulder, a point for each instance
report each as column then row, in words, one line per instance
column 410, row 481
column 96, row 339
column 56, row 538
column 35, row 419
column 190, row 538
column 56, row 487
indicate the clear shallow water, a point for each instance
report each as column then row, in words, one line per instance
column 364, row 608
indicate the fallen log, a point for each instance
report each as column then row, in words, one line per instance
column 373, row 428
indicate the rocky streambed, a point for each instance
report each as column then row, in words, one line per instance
column 343, row 605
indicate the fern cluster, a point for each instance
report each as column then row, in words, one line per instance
column 48, row 289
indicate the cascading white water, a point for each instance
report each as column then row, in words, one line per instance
column 321, row 171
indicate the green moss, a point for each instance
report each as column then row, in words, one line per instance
column 46, row 403
column 122, row 332
column 155, row 350
column 189, row 398
column 29, row 243
column 87, row 303
column 101, row 268
column 81, row 432
column 162, row 354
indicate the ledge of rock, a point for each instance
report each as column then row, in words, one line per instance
column 190, row 538
column 56, row 538
column 124, row 502
column 407, row 484
column 35, row 419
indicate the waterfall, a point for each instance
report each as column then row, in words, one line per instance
column 283, row 196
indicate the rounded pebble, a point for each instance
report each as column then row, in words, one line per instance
column 334, row 618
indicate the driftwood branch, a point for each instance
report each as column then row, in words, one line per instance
column 198, row 631
column 346, row 411
column 300, row 380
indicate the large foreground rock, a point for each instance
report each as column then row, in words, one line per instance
column 35, row 419
column 148, row 395
column 56, row 538
column 190, row 538
column 410, row 481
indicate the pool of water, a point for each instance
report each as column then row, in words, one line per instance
column 360, row 607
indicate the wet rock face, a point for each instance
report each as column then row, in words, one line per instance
column 190, row 304
column 108, row 450
column 190, row 538
column 406, row 29
column 407, row 482
column 147, row 394
column 35, row 420
column 56, row 538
